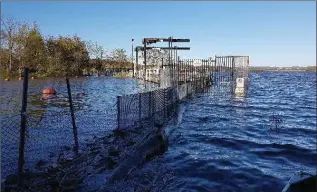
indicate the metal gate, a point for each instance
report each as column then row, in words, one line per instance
column 225, row 72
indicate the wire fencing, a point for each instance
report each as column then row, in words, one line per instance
column 49, row 135
column 152, row 108
column 178, row 80
column 56, row 125
column 10, row 137
column 47, row 131
column 145, row 109
column 222, row 70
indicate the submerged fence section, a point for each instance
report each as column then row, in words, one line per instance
column 222, row 70
column 49, row 133
column 146, row 109
column 152, row 108
column 178, row 80
column 28, row 138
column 32, row 140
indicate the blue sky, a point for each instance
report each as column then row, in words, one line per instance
column 271, row 33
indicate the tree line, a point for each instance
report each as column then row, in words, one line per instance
column 23, row 45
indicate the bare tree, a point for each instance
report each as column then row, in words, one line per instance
column 10, row 29
column 96, row 53
column 21, row 39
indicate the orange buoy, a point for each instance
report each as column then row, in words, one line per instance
column 48, row 96
column 49, row 91
column 32, row 78
column 20, row 78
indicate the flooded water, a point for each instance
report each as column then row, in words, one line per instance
column 216, row 143
column 49, row 125
column 222, row 143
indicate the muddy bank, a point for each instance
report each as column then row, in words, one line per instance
column 103, row 162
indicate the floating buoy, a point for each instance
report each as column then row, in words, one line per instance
column 76, row 76
column 7, row 79
column 50, row 91
column 20, row 78
column 32, row 78
column 48, row 96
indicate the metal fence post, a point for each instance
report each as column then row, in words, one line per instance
column 140, row 105
column 232, row 75
column 164, row 104
column 118, row 112
column 150, row 106
column 23, row 125
column 186, row 76
column 72, row 115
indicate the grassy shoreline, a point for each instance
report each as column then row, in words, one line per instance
column 257, row 71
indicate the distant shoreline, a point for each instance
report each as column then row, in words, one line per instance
column 283, row 69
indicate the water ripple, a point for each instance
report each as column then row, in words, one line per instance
column 225, row 144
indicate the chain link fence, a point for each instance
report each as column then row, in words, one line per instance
column 10, row 138
column 146, row 109
column 152, row 108
column 49, row 131
column 52, row 134
column 179, row 80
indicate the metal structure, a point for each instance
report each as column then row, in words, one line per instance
column 189, row 77
column 147, row 109
column 166, row 67
column 241, row 74
column 132, row 58
column 230, row 71
column 23, row 146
